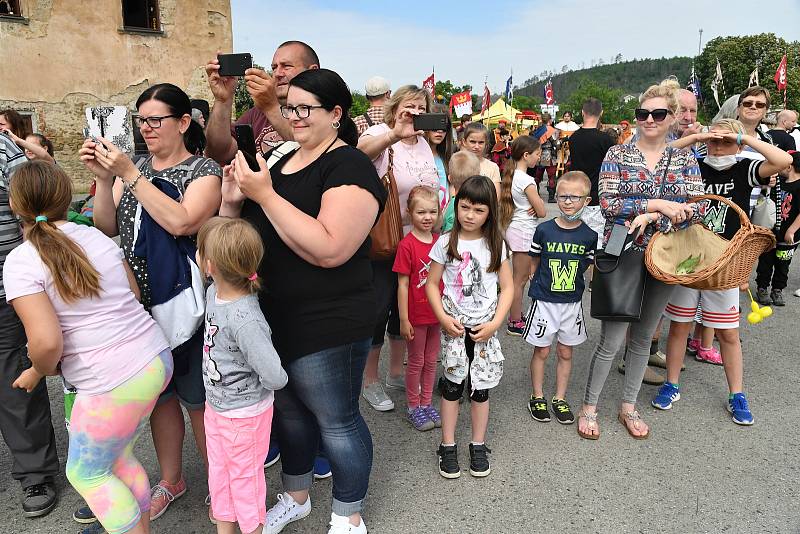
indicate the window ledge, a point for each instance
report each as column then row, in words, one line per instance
column 141, row 31
column 14, row 18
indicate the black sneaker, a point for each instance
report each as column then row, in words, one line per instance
column 94, row 528
column 538, row 408
column 39, row 500
column 479, row 461
column 562, row 411
column 777, row 297
column 448, row 461
column 84, row 515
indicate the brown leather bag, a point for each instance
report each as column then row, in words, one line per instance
column 388, row 231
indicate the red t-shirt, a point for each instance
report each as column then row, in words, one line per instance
column 412, row 260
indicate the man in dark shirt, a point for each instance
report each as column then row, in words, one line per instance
column 780, row 135
column 588, row 147
column 268, row 92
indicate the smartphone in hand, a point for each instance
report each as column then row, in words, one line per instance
column 430, row 121
column 247, row 144
column 234, row 64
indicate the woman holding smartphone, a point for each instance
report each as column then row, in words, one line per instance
column 645, row 186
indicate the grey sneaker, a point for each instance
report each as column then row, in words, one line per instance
column 375, row 395
column 396, row 382
column 762, row 296
column 777, row 297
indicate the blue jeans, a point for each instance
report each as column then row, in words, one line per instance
column 320, row 403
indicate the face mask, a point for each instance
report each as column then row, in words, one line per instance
column 721, row 163
column 574, row 217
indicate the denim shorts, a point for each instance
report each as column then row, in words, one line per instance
column 187, row 380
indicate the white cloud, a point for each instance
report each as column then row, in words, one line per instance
column 530, row 38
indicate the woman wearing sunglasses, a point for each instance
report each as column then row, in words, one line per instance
column 644, row 185
column 126, row 189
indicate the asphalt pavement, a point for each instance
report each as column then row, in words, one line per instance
column 698, row 472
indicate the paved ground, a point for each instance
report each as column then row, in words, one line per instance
column 697, row 473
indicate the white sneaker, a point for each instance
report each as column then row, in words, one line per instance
column 285, row 511
column 376, row 396
column 341, row 525
column 797, row 293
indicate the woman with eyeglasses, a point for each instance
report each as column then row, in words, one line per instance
column 644, row 185
column 125, row 187
column 413, row 164
column 314, row 209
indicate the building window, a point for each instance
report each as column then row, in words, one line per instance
column 27, row 116
column 10, row 8
column 141, row 15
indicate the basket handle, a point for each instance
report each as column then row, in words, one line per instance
column 743, row 218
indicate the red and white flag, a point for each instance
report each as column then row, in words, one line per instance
column 780, row 75
column 549, row 98
column 429, row 84
column 462, row 102
column 487, row 99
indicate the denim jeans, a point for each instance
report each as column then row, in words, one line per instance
column 320, row 404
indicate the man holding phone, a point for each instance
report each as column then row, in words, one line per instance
column 268, row 92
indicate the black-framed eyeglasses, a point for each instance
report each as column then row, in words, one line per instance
column 301, row 111
column 153, row 122
column 754, row 104
column 658, row 115
column 570, row 198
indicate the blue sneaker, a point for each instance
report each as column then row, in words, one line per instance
column 667, row 394
column 322, row 468
column 739, row 409
column 273, row 455
column 94, row 528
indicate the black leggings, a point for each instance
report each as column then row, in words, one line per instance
column 453, row 391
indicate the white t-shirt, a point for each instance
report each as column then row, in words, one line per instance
column 466, row 282
column 570, row 126
column 490, row 169
column 107, row 339
column 413, row 165
column 520, row 219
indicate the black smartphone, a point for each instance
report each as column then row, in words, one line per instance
column 430, row 121
column 234, row 64
column 247, row 144
column 616, row 241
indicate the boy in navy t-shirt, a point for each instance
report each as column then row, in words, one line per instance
column 562, row 249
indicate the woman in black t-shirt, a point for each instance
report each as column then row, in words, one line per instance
column 314, row 210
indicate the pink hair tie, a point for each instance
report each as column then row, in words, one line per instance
column 253, row 277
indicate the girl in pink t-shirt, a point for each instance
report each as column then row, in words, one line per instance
column 75, row 295
column 418, row 324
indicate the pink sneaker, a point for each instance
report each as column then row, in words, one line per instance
column 711, row 355
column 162, row 495
column 692, row 346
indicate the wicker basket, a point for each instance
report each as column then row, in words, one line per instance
column 725, row 266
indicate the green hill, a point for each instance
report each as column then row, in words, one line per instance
column 630, row 77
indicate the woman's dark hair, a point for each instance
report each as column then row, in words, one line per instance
column 331, row 91
column 18, row 125
column 44, row 142
column 445, row 149
column 479, row 190
column 179, row 104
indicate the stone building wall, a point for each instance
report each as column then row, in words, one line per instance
column 66, row 55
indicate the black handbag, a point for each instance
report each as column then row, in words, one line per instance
column 619, row 283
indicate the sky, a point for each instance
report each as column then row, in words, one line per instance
column 468, row 41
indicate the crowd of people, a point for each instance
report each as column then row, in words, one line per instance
column 245, row 290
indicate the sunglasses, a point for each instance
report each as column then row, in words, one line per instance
column 658, row 115
column 753, row 104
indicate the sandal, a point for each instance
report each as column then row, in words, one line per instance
column 591, row 424
column 625, row 418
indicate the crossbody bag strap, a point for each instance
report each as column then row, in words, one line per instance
column 368, row 119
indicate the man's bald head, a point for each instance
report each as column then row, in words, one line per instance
column 687, row 110
column 786, row 119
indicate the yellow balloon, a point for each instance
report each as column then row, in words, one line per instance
column 754, row 318
column 754, row 306
column 765, row 311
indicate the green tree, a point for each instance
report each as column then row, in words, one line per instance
column 447, row 89
column 523, row 102
column 360, row 104
column 242, row 101
column 614, row 108
column 738, row 56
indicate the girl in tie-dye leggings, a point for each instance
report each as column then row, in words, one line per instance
column 75, row 295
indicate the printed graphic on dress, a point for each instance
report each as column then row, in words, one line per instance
column 422, row 274
column 563, row 276
column 469, row 281
column 209, row 365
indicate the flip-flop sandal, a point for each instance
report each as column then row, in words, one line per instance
column 636, row 419
column 591, row 420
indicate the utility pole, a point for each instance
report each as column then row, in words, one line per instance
column 700, row 43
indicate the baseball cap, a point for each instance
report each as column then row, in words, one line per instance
column 377, row 86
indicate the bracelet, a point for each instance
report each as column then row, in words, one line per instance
column 132, row 185
column 739, row 139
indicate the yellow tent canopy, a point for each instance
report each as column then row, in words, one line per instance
column 498, row 111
